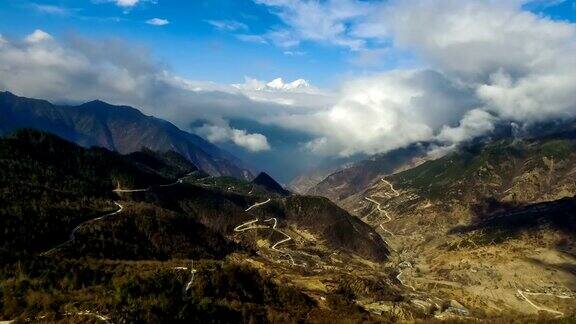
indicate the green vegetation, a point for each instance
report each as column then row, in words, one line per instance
column 558, row 149
column 145, row 292
column 169, row 164
column 132, row 266
column 482, row 170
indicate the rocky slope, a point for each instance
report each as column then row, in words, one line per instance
column 119, row 128
column 489, row 217
column 352, row 179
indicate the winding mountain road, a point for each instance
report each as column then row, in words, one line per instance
column 402, row 282
column 538, row 308
column 189, row 283
column 72, row 236
column 249, row 225
column 396, row 193
column 131, row 190
column 379, row 206
column 286, row 239
column 258, row 204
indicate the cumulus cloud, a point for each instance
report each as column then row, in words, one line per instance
column 380, row 113
column 38, row 36
column 126, row 3
column 222, row 133
column 475, row 123
column 158, row 22
column 519, row 64
column 486, row 61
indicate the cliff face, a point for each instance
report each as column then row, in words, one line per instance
column 119, row 128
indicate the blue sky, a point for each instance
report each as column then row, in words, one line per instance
column 369, row 76
column 188, row 44
column 198, row 50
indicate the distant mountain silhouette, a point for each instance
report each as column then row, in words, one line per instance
column 266, row 181
column 119, row 128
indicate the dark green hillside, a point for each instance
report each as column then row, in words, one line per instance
column 146, row 232
column 499, row 226
column 234, row 185
column 222, row 210
column 147, row 292
column 48, row 186
column 130, row 256
column 490, row 170
column 320, row 215
column 169, row 164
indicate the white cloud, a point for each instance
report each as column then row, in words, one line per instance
column 308, row 20
column 80, row 70
column 521, row 65
column 227, row 25
column 224, row 133
column 383, row 112
column 126, row 3
column 52, row 9
column 475, row 123
column 487, row 62
column 158, row 22
column 252, row 38
column 370, row 57
column 294, row 53
column 38, row 36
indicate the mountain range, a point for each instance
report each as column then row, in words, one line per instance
column 119, row 128
column 496, row 214
column 113, row 223
column 181, row 232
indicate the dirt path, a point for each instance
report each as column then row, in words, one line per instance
column 539, row 308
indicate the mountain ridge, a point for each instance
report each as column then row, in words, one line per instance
column 120, row 128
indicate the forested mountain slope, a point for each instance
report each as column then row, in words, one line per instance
column 90, row 234
column 118, row 128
